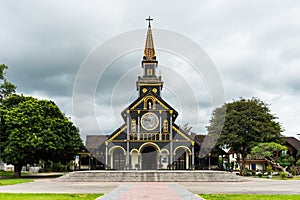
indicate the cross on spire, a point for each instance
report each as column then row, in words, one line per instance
column 149, row 19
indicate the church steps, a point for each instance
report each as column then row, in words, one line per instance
column 151, row 176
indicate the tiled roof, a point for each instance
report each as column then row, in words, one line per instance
column 293, row 142
column 94, row 141
column 199, row 139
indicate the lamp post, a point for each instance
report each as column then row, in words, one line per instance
column 209, row 154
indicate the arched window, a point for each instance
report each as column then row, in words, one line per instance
column 165, row 126
column 149, row 103
column 149, row 72
column 133, row 126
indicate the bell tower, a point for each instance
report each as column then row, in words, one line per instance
column 149, row 138
column 149, row 81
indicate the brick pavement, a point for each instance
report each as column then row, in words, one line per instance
column 150, row 191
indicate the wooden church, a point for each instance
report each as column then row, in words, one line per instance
column 149, row 139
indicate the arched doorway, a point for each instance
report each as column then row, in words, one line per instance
column 181, row 159
column 149, row 158
column 118, row 159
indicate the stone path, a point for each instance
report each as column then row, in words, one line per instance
column 157, row 190
column 150, row 191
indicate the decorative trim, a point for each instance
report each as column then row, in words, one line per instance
column 134, row 151
column 115, row 147
column 149, row 144
column 165, row 150
column 184, row 147
column 182, row 134
column 118, row 133
column 156, row 141
column 160, row 103
column 140, row 101
column 149, row 84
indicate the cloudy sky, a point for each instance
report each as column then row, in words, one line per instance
column 254, row 45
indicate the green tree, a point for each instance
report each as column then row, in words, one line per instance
column 6, row 87
column 286, row 160
column 36, row 130
column 270, row 152
column 247, row 123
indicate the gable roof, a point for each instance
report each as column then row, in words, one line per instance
column 159, row 100
column 119, row 131
column 199, row 139
column 184, row 135
column 293, row 142
column 95, row 141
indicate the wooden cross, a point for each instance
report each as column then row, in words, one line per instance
column 149, row 19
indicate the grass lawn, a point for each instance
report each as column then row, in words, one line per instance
column 24, row 196
column 9, row 173
column 5, row 173
column 13, row 181
column 249, row 196
column 279, row 178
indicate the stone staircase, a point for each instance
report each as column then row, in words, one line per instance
column 151, row 176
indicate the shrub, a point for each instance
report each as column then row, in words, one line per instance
column 247, row 172
column 294, row 170
column 58, row 167
column 44, row 170
column 298, row 163
column 283, row 175
column 269, row 170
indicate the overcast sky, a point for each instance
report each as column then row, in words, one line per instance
column 254, row 45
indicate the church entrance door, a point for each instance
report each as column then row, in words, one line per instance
column 181, row 159
column 149, row 158
column 118, row 159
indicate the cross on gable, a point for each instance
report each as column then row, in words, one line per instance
column 149, row 19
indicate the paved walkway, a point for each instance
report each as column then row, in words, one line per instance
column 254, row 186
column 150, row 191
column 157, row 190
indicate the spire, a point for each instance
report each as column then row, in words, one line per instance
column 149, row 52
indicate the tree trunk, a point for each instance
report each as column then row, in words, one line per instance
column 242, row 166
column 278, row 166
column 17, row 171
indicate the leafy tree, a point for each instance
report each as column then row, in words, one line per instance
column 298, row 158
column 247, row 123
column 270, row 152
column 6, row 87
column 285, row 160
column 36, row 130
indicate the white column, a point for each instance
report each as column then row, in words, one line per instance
column 128, row 137
column 139, row 130
column 160, row 127
column 171, row 139
column 193, row 156
column 106, row 152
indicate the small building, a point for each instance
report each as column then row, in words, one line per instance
column 292, row 144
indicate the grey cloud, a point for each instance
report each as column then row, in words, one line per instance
column 254, row 45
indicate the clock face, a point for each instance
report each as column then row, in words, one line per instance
column 149, row 121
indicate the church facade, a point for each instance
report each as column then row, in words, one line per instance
column 149, row 139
